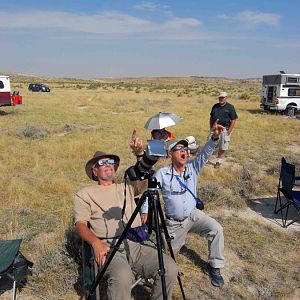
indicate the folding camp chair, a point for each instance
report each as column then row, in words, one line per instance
column 286, row 188
column 13, row 265
column 90, row 270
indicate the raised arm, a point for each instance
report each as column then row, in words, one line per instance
column 136, row 145
column 202, row 157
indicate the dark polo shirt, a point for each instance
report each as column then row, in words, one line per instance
column 224, row 113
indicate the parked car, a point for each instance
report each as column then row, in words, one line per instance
column 38, row 87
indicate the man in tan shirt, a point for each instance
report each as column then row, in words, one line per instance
column 100, row 218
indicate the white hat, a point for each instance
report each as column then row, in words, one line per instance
column 222, row 94
column 193, row 144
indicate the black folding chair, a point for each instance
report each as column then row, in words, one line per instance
column 89, row 270
column 13, row 265
column 286, row 188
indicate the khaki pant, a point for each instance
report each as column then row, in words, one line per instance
column 143, row 259
column 198, row 222
column 224, row 140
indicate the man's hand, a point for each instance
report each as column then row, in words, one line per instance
column 136, row 144
column 217, row 129
column 100, row 252
column 144, row 218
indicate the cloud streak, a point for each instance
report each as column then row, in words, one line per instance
column 252, row 18
column 151, row 6
column 107, row 24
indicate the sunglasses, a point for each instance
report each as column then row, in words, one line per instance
column 177, row 148
column 104, row 162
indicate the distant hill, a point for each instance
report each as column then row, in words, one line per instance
column 168, row 80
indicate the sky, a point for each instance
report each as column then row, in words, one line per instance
column 131, row 38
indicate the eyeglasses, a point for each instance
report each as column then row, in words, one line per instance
column 104, row 162
column 177, row 148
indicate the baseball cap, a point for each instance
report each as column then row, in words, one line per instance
column 173, row 143
column 222, row 94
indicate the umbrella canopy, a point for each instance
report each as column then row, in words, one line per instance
column 162, row 120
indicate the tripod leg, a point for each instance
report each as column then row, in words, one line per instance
column 161, row 270
column 150, row 217
column 168, row 240
column 116, row 247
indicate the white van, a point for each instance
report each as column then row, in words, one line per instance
column 281, row 92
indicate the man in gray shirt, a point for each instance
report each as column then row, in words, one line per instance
column 179, row 185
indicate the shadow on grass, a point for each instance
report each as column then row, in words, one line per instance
column 74, row 250
column 3, row 113
column 195, row 258
column 260, row 112
column 265, row 207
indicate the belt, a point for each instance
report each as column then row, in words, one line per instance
column 177, row 220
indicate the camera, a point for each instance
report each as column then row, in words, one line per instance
column 143, row 168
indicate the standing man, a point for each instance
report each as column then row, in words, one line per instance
column 227, row 116
column 101, row 214
column 178, row 183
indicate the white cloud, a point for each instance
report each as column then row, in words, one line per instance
column 147, row 5
column 183, row 22
column 105, row 23
column 252, row 18
column 108, row 24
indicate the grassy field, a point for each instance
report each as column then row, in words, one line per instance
column 46, row 142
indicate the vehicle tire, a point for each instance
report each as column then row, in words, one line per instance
column 290, row 111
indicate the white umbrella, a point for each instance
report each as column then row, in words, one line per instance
column 162, row 120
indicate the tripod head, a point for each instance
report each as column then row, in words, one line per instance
column 152, row 182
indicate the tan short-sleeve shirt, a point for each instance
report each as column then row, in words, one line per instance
column 101, row 206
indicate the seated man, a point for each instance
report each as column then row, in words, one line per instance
column 103, row 206
column 179, row 185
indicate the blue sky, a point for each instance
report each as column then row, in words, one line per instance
column 93, row 38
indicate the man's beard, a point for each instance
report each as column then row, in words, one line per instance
column 109, row 177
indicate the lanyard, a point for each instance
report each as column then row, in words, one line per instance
column 198, row 201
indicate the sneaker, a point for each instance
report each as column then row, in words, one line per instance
column 218, row 162
column 211, row 161
column 216, row 277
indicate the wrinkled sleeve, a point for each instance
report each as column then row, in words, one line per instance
column 202, row 157
column 158, row 176
column 139, row 187
column 82, row 207
column 233, row 114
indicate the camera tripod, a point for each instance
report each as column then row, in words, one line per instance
column 155, row 213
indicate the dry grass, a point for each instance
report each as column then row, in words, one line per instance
column 46, row 142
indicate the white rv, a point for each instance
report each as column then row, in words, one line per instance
column 281, row 92
column 6, row 98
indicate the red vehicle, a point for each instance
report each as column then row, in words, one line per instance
column 6, row 98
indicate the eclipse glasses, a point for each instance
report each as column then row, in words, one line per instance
column 104, row 162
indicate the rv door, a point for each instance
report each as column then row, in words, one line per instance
column 271, row 94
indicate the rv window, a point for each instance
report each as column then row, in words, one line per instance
column 1, row 85
column 271, row 92
column 292, row 80
column 294, row 92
